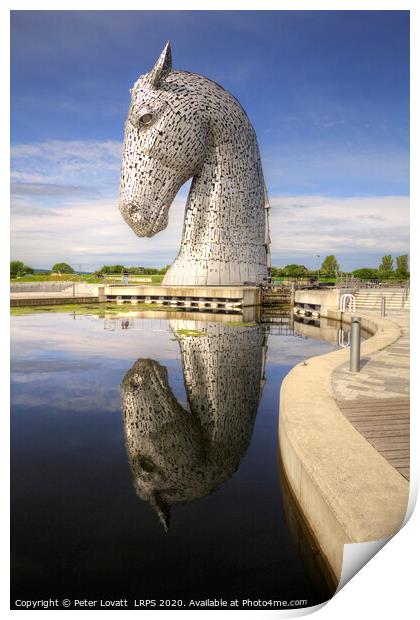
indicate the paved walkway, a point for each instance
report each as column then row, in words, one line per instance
column 377, row 400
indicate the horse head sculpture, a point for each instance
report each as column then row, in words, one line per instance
column 178, row 455
column 182, row 125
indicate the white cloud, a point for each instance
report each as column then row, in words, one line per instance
column 92, row 232
column 53, row 150
column 65, row 207
column 50, row 189
column 358, row 230
column 84, row 338
column 66, row 162
column 323, row 224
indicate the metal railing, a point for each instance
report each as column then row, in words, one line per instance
column 349, row 299
column 352, row 282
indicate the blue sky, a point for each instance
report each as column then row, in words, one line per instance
column 327, row 92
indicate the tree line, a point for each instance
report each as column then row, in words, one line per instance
column 329, row 268
column 19, row 269
column 113, row 269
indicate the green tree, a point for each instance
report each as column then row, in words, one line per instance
column 402, row 266
column 365, row 273
column 62, row 268
column 330, row 265
column 112, row 269
column 135, row 270
column 17, row 268
column 387, row 265
column 295, row 270
column 164, row 269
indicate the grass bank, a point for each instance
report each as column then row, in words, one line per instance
column 90, row 278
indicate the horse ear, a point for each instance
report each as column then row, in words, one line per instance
column 162, row 67
column 162, row 509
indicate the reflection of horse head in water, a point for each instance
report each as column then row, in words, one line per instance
column 182, row 125
column 178, row 455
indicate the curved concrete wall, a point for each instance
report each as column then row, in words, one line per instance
column 346, row 490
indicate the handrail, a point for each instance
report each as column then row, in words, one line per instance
column 350, row 299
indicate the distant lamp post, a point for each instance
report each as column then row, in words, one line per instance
column 319, row 265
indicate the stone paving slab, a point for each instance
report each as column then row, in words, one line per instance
column 376, row 400
column 347, row 490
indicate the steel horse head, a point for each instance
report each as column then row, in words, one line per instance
column 182, row 125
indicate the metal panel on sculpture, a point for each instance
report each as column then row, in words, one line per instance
column 182, row 125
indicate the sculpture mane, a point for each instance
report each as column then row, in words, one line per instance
column 182, row 125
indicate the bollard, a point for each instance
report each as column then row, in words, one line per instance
column 355, row 343
column 383, row 306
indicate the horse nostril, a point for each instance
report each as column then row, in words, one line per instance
column 131, row 210
column 146, row 464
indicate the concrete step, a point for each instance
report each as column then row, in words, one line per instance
column 371, row 299
column 379, row 296
column 395, row 306
column 378, row 301
column 399, row 298
column 394, row 302
column 385, row 291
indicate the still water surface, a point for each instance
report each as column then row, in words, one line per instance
column 145, row 460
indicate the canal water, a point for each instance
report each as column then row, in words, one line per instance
column 145, row 460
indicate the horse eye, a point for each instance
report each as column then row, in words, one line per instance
column 146, row 119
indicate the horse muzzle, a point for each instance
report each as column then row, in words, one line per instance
column 145, row 222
